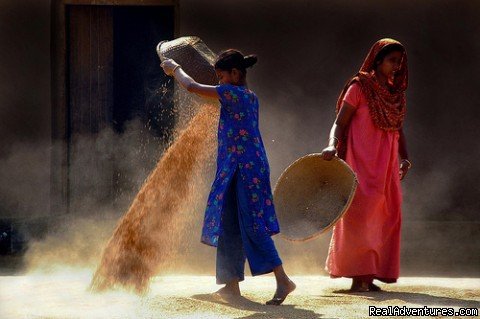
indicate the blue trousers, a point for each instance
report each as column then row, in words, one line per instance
column 238, row 240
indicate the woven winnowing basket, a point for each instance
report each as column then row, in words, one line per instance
column 311, row 195
column 193, row 55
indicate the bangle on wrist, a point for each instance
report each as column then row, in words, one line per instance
column 335, row 139
column 409, row 164
column 175, row 69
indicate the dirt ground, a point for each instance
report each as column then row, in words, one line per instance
column 65, row 295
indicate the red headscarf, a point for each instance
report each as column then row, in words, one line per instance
column 387, row 105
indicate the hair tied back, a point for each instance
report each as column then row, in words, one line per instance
column 250, row 60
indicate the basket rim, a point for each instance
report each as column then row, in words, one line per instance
column 344, row 165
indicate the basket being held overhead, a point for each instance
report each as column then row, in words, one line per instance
column 193, row 55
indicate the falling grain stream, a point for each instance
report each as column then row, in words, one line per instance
column 144, row 241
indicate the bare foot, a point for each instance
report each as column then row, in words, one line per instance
column 359, row 286
column 283, row 290
column 229, row 291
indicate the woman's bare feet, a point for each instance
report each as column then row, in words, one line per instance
column 230, row 289
column 284, row 286
column 359, row 285
column 364, row 285
column 283, row 290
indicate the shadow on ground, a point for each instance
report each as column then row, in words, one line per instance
column 262, row 311
column 419, row 298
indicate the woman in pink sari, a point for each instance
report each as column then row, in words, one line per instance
column 367, row 134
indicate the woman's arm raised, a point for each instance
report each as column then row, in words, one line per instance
column 174, row 69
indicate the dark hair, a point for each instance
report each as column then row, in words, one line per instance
column 394, row 47
column 231, row 58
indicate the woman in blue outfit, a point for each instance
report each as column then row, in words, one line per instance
column 240, row 216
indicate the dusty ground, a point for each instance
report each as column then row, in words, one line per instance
column 64, row 295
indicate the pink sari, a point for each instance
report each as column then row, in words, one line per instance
column 366, row 241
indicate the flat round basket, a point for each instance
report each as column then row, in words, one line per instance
column 193, row 55
column 311, row 195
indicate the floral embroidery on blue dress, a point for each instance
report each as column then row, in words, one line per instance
column 241, row 151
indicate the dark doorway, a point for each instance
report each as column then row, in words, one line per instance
column 113, row 80
column 139, row 83
column 141, row 90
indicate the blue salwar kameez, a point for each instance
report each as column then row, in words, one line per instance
column 240, row 215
